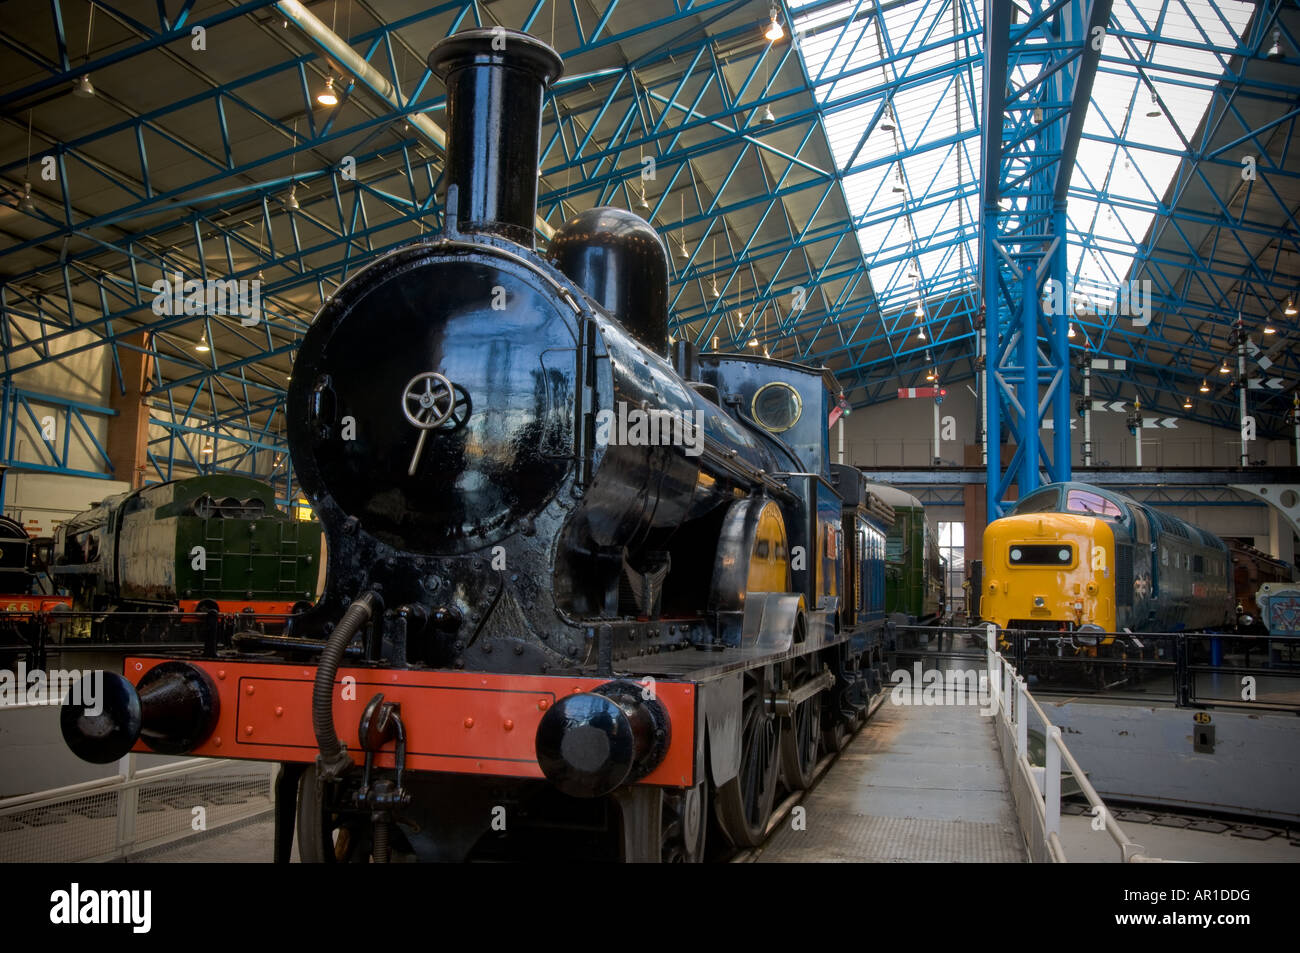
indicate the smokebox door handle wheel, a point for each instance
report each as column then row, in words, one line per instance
column 427, row 402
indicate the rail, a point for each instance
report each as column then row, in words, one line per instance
column 1039, row 805
column 133, row 811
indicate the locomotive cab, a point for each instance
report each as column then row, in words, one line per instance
column 788, row 406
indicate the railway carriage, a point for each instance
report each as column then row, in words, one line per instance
column 915, row 573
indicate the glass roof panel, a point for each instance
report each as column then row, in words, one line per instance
column 913, row 190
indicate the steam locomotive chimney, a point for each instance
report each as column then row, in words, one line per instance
column 495, row 81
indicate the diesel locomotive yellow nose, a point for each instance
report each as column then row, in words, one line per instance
column 1048, row 569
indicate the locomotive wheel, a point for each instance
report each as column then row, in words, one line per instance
column 835, row 731
column 801, row 737
column 745, row 802
column 328, row 837
column 685, row 824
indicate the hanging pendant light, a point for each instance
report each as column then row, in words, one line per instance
column 27, row 203
column 327, row 96
column 1187, row 403
column 774, row 29
column 1154, row 111
column 292, row 201
column 202, row 346
column 1275, row 51
column 1205, row 386
column 767, row 118
column 1070, row 333
column 1290, row 309
column 644, row 203
column 82, row 88
column 887, row 123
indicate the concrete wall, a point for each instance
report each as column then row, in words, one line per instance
column 1146, row 755
column 40, row 501
column 900, row 433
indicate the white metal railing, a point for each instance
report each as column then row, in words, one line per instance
column 1039, row 803
column 115, row 817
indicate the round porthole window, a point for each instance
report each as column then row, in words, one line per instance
column 777, row 407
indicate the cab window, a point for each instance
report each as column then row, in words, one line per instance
column 1093, row 504
column 1044, row 501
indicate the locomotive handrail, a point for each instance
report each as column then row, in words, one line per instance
column 1011, row 700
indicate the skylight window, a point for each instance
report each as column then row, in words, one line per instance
column 922, row 74
column 1137, row 175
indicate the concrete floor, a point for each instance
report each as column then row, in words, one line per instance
column 247, row 842
column 1084, row 845
column 917, row 784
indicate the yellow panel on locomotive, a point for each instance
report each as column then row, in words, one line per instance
column 1049, row 568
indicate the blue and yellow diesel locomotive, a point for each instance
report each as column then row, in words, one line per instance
column 1075, row 557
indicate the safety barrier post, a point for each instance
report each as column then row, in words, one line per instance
column 128, row 798
column 1052, row 782
column 1022, row 723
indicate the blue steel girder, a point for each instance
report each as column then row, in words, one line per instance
column 1038, row 78
column 56, row 428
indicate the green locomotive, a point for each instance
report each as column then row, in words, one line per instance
column 914, row 584
column 205, row 542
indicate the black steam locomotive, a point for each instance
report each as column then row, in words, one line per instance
column 572, row 587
